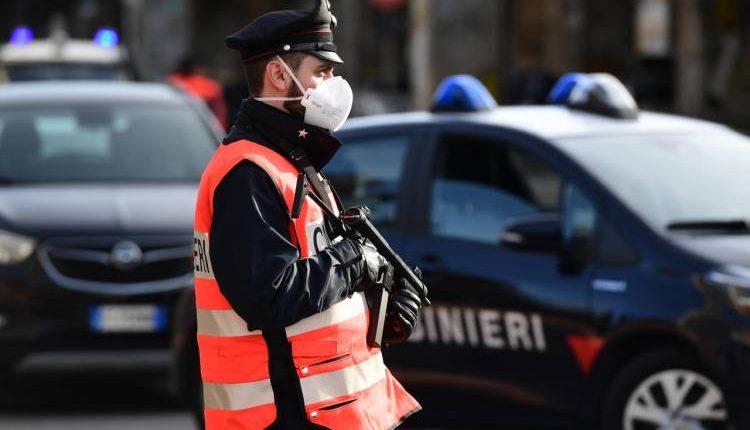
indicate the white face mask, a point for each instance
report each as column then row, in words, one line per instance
column 326, row 106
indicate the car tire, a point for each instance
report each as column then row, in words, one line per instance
column 196, row 398
column 7, row 387
column 191, row 385
column 663, row 387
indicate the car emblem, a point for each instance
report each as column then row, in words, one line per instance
column 126, row 255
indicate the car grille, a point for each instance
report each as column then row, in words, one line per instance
column 91, row 264
column 106, row 273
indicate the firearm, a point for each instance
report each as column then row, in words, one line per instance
column 357, row 219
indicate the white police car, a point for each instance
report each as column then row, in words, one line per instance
column 588, row 263
column 25, row 58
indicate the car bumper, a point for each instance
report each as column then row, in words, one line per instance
column 45, row 328
column 88, row 362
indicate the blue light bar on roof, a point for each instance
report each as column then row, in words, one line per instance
column 564, row 86
column 107, row 37
column 462, row 93
column 599, row 93
column 22, row 35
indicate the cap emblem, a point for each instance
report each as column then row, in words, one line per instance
column 303, row 134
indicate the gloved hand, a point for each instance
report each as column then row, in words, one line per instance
column 426, row 298
column 375, row 266
column 403, row 312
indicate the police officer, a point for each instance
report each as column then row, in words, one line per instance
column 280, row 296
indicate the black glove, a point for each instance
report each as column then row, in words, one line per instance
column 425, row 299
column 375, row 265
column 403, row 312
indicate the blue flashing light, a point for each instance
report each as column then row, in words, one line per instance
column 599, row 93
column 22, row 35
column 107, row 38
column 462, row 93
column 560, row 93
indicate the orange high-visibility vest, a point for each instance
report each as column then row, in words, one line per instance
column 334, row 364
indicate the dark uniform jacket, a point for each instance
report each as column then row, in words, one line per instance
column 254, row 260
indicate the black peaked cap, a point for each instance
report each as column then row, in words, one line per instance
column 286, row 31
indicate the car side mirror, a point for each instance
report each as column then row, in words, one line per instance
column 534, row 233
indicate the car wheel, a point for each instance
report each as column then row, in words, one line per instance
column 665, row 390
column 8, row 387
column 196, row 399
column 5, row 399
column 190, row 379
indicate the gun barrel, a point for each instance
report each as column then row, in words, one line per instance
column 361, row 223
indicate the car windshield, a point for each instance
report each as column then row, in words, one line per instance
column 64, row 71
column 103, row 143
column 674, row 181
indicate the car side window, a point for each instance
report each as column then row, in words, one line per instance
column 613, row 249
column 367, row 171
column 579, row 216
column 580, row 223
column 480, row 184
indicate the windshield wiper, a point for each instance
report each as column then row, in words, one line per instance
column 729, row 226
column 6, row 180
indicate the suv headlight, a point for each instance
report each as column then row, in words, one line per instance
column 737, row 282
column 15, row 248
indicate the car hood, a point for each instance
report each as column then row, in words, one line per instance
column 724, row 249
column 98, row 209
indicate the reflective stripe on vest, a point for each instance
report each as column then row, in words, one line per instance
column 228, row 323
column 317, row 388
column 334, row 364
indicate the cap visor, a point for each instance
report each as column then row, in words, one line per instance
column 327, row 55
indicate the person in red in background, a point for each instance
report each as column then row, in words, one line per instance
column 192, row 76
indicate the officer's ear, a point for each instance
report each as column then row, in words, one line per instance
column 276, row 76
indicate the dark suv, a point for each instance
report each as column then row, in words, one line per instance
column 97, row 190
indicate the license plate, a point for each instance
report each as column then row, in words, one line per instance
column 141, row 318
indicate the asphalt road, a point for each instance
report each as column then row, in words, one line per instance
column 94, row 405
column 153, row 421
column 66, row 405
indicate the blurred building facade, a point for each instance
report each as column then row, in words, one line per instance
column 689, row 56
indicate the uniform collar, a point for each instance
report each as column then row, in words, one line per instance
column 319, row 145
